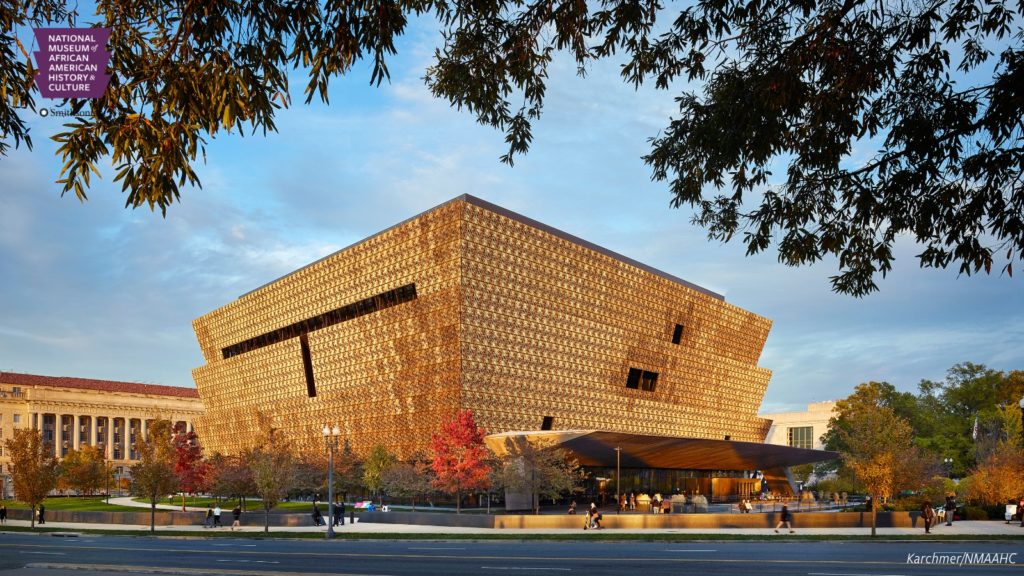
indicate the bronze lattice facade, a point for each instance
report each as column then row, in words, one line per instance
column 472, row 306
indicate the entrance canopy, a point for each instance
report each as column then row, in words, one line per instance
column 594, row 448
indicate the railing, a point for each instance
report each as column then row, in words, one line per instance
column 11, row 394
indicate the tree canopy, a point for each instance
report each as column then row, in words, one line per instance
column 85, row 470
column 883, row 119
column 34, row 468
column 377, row 464
column 272, row 465
column 460, row 459
column 539, row 469
column 189, row 466
column 412, row 478
column 153, row 476
column 877, row 445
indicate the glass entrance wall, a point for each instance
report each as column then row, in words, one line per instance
column 716, row 485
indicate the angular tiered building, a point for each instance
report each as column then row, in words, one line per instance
column 469, row 305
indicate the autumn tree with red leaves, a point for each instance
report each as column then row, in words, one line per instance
column 460, row 459
column 189, row 467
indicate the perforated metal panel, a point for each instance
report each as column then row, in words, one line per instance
column 511, row 319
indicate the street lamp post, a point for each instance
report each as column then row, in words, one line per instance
column 618, row 491
column 331, row 437
column 1022, row 419
column 948, row 463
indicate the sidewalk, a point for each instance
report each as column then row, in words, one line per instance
column 252, row 522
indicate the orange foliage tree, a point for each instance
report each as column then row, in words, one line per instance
column 460, row 459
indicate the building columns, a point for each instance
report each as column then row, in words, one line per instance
column 92, row 431
column 76, row 432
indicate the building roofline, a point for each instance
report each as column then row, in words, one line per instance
column 480, row 203
column 20, row 379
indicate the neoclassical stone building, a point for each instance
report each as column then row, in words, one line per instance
column 76, row 412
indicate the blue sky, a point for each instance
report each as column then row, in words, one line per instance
column 96, row 290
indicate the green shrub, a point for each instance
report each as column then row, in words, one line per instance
column 908, row 504
column 975, row 513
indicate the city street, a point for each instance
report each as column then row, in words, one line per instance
column 30, row 554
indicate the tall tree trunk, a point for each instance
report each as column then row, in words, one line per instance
column 266, row 519
column 33, row 517
column 182, row 501
column 458, row 501
column 152, row 514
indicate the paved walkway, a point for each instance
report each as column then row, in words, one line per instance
column 251, row 523
column 130, row 501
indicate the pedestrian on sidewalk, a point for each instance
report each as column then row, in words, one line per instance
column 928, row 515
column 42, row 514
column 237, row 513
column 208, row 522
column 787, row 518
column 3, row 514
column 950, row 508
column 216, row 516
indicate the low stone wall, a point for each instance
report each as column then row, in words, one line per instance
column 162, row 518
column 640, row 521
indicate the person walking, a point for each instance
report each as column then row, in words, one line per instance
column 42, row 514
column 786, row 519
column 208, row 522
column 1020, row 511
column 317, row 518
column 950, row 508
column 3, row 514
column 928, row 515
column 237, row 514
column 216, row 516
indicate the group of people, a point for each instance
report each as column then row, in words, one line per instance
column 213, row 517
column 928, row 514
column 318, row 518
column 593, row 519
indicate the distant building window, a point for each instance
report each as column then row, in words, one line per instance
column 17, row 418
column 633, row 380
column 677, row 335
column 547, row 423
column 641, row 379
column 801, row 437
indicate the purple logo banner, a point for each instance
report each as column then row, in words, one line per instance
column 72, row 62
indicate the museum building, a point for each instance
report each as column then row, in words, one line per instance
column 76, row 412
column 538, row 332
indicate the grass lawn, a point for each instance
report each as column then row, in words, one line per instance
column 76, row 503
column 251, row 505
